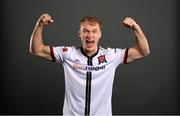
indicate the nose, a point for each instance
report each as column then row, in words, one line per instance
column 89, row 34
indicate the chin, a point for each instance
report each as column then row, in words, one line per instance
column 90, row 49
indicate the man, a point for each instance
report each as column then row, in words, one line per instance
column 89, row 70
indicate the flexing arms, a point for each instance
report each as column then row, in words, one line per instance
column 141, row 48
column 36, row 45
column 38, row 48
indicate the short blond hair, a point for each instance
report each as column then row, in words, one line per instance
column 92, row 20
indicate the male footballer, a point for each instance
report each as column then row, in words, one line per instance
column 88, row 69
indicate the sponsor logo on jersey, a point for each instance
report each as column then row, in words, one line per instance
column 88, row 68
column 102, row 59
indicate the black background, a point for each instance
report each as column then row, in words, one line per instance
column 30, row 85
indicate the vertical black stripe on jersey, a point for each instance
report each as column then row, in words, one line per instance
column 88, row 89
column 88, row 93
column 88, row 82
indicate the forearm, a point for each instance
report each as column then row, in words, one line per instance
column 141, row 48
column 141, row 42
column 36, row 39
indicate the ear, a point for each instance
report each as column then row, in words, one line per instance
column 100, row 34
column 79, row 34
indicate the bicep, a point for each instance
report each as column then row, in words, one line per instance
column 133, row 55
column 45, row 52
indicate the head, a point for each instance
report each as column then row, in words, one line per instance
column 90, row 33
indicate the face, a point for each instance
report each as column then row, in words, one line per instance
column 90, row 35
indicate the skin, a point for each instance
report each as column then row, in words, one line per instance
column 36, row 45
column 90, row 35
column 141, row 48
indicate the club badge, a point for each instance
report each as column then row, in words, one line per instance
column 102, row 59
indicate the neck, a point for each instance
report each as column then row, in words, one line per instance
column 90, row 53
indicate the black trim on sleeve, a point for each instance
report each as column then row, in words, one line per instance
column 126, row 56
column 52, row 53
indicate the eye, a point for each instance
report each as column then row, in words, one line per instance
column 85, row 31
column 94, row 31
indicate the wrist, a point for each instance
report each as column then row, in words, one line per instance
column 38, row 27
column 137, row 27
column 39, row 23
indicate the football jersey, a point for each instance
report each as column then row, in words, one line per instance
column 88, row 79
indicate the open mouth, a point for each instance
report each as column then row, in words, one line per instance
column 89, row 43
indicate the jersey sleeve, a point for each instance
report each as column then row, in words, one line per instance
column 60, row 53
column 120, row 55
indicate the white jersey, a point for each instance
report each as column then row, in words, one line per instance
column 88, row 80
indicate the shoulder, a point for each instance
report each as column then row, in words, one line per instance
column 110, row 50
column 64, row 49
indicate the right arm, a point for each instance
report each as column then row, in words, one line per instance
column 36, row 45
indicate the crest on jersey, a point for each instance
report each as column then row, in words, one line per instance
column 102, row 59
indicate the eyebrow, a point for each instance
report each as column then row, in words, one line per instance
column 92, row 29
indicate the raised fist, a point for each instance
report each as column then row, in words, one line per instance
column 45, row 19
column 130, row 23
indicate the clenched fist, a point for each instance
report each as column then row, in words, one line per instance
column 129, row 22
column 45, row 19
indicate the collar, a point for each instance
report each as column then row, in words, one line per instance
column 89, row 57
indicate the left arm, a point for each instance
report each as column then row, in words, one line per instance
column 141, row 48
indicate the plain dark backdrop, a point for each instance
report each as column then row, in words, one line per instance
column 30, row 85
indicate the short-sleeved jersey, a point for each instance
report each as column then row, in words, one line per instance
column 88, row 80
